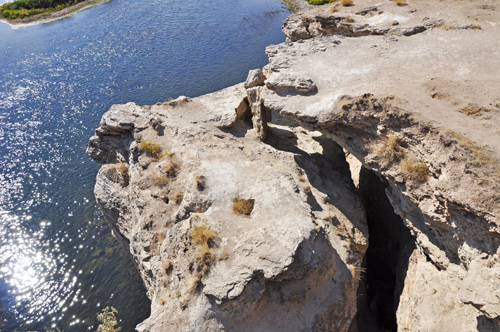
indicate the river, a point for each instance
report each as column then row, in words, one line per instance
column 59, row 264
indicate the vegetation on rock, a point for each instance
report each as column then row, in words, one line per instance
column 108, row 320
column 243, row 206
column 318, row 2
column 415, row 169
column 387, row 150
column 152, row 149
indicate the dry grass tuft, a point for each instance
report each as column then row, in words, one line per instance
column 146, row 224
column 168, row 264
column 170, row 168
column 334, row 9
column 193, row 283
column 473, row 110
column 401, row 2
column 160, row 181
column 357, row 270
column 152, row 149
column 117, row 173
column 347, row 3
column 201, row 182
column 386, row 150
column 415, row 169
column 202, row 237
column 348, row 19
column 481, row 153
column 308, row 191
column 201, row 234
column 301, row 179
column 158, row 240
column 243, row 206
column 178, row 197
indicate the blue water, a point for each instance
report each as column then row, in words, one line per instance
column 59, row 264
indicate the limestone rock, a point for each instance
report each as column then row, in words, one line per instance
column 417, row 103
column 225, row 106
column 372, row 20
column 290, row 82
column 422, row 87
column 255, row 78
column 290, row 264
column 261, row 116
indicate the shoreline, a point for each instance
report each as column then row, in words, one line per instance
column 41, row 18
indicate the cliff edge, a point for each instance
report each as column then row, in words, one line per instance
column 239, row 224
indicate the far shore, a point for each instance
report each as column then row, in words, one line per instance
column 46, row 18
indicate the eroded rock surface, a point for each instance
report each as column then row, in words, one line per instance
column 405, row 90
column 290, row 264
column 411, row 91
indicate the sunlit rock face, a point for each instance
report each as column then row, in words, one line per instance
column 296, row 248
column 403, row 90
column 398, row 87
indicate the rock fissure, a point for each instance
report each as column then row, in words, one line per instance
column 387, row 257
column 418, row 113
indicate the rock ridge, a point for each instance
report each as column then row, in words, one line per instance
column 401, row 89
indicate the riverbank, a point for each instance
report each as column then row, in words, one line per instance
column 50, row 17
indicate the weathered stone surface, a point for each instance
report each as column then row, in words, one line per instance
column 440, row 100
column 429, row 84
column 353, row 22
column 290, row 82
column 225, row 106
column 255, row 78
column 261, row 116
column 292, row 264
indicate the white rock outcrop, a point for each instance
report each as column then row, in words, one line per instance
column 291, row 264
column 411, row 91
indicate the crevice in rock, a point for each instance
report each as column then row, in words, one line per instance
column 386, row 260
column 283, row 121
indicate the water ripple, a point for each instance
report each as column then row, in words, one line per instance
column 59, row 264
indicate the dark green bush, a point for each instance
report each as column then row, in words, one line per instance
column 23, row 8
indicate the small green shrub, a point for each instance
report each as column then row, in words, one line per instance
column 290, row 5
column 108, row 320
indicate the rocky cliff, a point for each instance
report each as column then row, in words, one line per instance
column 237, row 223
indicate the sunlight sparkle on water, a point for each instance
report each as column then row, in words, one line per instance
column 30, row 269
